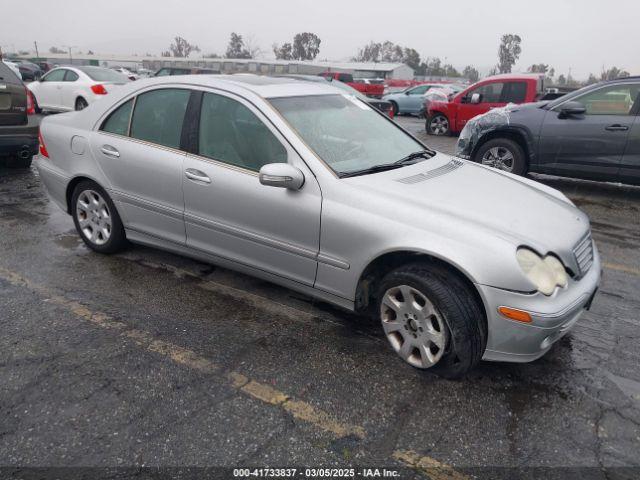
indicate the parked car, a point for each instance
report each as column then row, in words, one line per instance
column 18, row 129
column 375, row 90
column 45, row 66
column 445, row 118
column 30, row 71
column 299, row 184
column 145, row 73
column 381, row 105
column 167, row 71
column 410, row 100
column 14, row 67
column 73, row 88
column 593, row 133
column 126, row 72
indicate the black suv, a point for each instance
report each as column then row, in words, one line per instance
column 592, row 133
column 18, row 129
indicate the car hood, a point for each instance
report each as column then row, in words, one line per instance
column 448, row 189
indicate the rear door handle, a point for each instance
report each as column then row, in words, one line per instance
column 196, row 175
column 110, row 151
column 617, row 128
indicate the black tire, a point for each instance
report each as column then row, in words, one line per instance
column 394, row 107
column 462, row 314
column 18, row 162
column 81, row 104
column 117, row 240
column 519, row 164
column 438, row 125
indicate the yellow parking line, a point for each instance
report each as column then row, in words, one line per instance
column 622, row 268
column 300, row 410
column 434, row 469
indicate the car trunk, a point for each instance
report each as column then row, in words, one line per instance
column 13, row 98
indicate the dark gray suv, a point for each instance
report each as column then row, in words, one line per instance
column 592, row 133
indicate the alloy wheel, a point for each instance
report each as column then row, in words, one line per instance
column 439, row 125
column 500, row 158
column 94, row 217
column 413, row 326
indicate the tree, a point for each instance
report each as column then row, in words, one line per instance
column 509, row 52
column 591, row 80
column 369, row 53
column 306, row 46
column 181, row 48
column 471, row 74
column 56, row 50
column 411, row 58
column 211, row 55
column 613, row 73
column 90, row 52
column 562, row 80
column 283, row 52
column 538, row 68
column 236, row 47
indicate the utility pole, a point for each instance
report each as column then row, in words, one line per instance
column 35, row 44
column 70, row 57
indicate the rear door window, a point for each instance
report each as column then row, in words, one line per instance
column 158, row 116
column 118, row 121
column 7, row 75
column 70, row 76
column 514, row 92
column 345, row 77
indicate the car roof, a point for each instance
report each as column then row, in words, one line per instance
column 261, row 85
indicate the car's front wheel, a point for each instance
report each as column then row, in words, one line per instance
column 438, row 124
column 432, row 320
column 503, row 154
column 81, row 104
column 96, row 218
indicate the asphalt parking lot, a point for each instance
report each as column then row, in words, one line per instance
column 149, row 359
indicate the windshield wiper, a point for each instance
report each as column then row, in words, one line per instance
column 408, row 160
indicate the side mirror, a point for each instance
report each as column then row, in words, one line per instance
column 281, row 175
column 570, row 109
column 475, row 98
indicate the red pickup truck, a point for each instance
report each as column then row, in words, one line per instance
column 370, row 88
column 444, row 118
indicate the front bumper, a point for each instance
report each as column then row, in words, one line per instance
column 552, row 317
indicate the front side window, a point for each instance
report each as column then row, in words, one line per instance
column 345, row 77
column 489, row 93
column 158, row 116
column 419, row 90
column 612, row 100
column 345, row 132
column 233, row 134
column 118, row 121
column 55, row 76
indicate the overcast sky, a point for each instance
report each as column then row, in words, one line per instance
column 581, row 35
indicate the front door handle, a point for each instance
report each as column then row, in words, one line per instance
column 196, row 175
column 110, row 151
column 617, row 128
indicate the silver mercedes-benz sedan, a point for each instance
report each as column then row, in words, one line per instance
column 310, row 188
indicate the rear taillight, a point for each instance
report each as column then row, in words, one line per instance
column 31, row 107
column 98, row 89
column 390, row 111
column 43, row 147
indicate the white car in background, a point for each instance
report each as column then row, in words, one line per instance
column 65, row 89
column 14, row 67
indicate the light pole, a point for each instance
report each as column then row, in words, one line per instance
column 70, row 57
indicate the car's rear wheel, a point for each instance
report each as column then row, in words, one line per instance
column 81, row 104
column 503, row 154
column 438, row 124
column 432, row 320
column 96, row 218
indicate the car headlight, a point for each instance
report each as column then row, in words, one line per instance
column 545, row 273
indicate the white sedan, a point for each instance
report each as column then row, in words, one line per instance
column 73, row 88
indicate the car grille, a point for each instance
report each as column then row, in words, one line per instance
column 583, row 252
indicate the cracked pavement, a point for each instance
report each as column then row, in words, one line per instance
column 75, row 392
